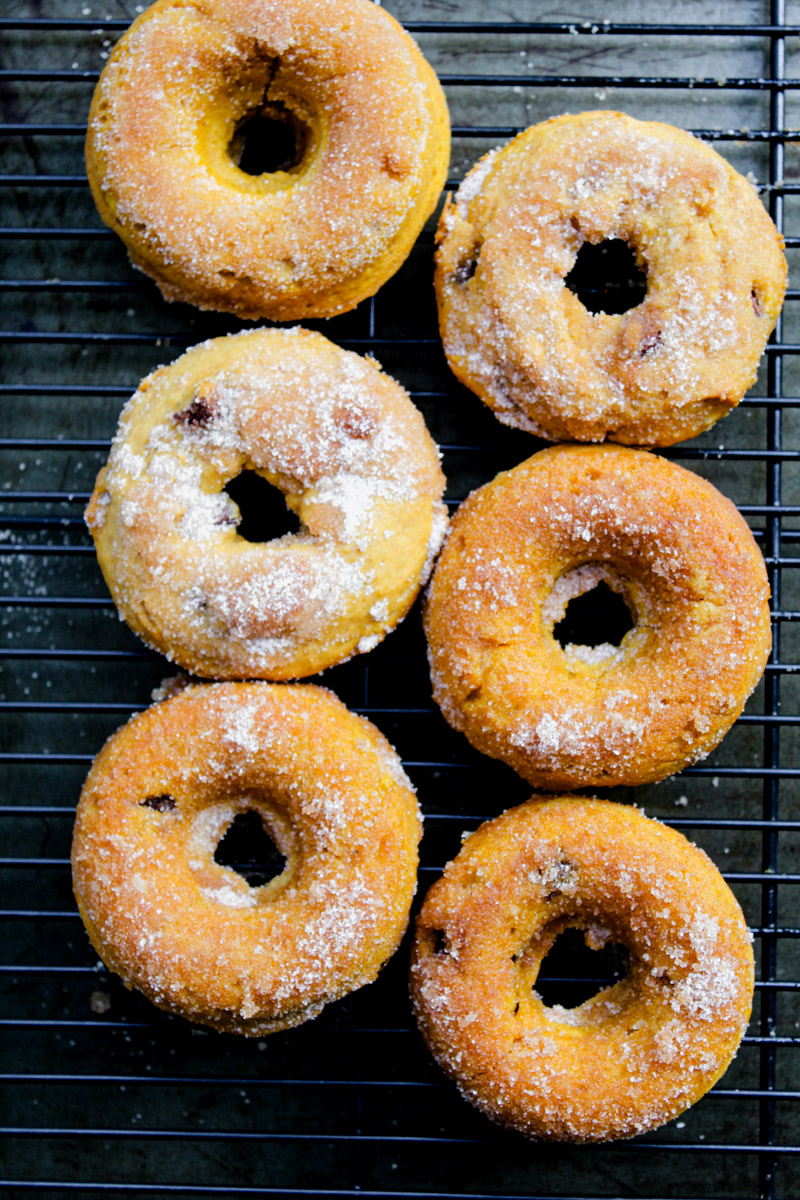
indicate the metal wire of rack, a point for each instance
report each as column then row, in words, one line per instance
column 103, row 1094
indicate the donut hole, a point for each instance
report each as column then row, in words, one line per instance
column 599, row 617
column 264, row 514
column 577, row 967
column 270, row 138
column 248, row 849
column 607, row 278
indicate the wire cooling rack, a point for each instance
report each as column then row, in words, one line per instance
column 105, row 1094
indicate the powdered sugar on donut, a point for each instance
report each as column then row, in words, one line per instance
column 653, row 1042
column 355, row 463
column 514, row 327
column 195, row 935
column 531, row 541
column 311, row 240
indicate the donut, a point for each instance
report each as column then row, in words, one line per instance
column 355, row 463
column 193, row 935
column 594, row 715
column 637, row 1053
column 670, row 366
column 340, row 79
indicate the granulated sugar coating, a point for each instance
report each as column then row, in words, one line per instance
column 193, row 935
column 638, row 1053
column 521, row 547
column 667, row 368
column 305, row 240
column 353, row 458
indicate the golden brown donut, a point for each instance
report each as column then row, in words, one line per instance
column 664, row 370
column 194, row 936
column 638, row 1053
column 165, row 141
column 353, row 458
column 524, row 545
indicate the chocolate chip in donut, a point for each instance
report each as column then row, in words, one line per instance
column 161, row 803
column 198, row 414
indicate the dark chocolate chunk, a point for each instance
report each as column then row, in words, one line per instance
column 198, row 415
column 465, row 270
column 159, row 803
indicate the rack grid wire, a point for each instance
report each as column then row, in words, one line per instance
column 104, row 1094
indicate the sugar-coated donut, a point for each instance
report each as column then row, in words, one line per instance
column 667, row 368
column 524, row 545
column 639, row 1052
column 193, row 935
column 353, row 458
column 311, row 240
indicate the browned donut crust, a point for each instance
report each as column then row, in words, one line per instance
column 664, row 370
column 638, row 1053
column 194, row 936
column 162, row 152
column 537, row 536
column 351, row 455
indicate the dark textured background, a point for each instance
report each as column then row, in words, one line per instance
column 128, row 1101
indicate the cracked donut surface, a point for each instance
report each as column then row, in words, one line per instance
column 521, row 547
column 309, row 239
column 640, row 1051
column 670, row 366
column 355, row 463
column 192, row 934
